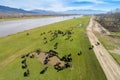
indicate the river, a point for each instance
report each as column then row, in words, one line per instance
column 15, row 26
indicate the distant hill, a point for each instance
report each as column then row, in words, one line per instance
column 87, row 11
column 9, row 10
column 43, row 11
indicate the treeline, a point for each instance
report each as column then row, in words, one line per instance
column 5, row 16
column 110, row 20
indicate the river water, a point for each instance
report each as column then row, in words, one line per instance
column 14, row 26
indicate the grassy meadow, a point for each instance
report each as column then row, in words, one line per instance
column 84, row 67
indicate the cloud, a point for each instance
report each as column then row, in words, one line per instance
column 92, row 1
column 62, row 8
column 58, row 5
column 63, row 5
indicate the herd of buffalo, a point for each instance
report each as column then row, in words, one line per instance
column 51, row 53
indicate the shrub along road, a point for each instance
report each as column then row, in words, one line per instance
column 109, row 65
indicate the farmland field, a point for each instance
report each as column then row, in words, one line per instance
column 83, row 67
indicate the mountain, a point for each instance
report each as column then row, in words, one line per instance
column 87, row 11
column 9, row 10
column 43, row 11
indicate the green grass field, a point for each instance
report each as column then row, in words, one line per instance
column 115, row 34
column 116, row 57
column 84, row 67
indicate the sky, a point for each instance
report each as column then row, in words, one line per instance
column 62, row 5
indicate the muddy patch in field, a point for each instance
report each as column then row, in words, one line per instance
column 52, row 58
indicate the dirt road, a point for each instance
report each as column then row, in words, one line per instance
column 108, row 64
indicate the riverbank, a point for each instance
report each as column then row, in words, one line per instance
column 14, row 26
